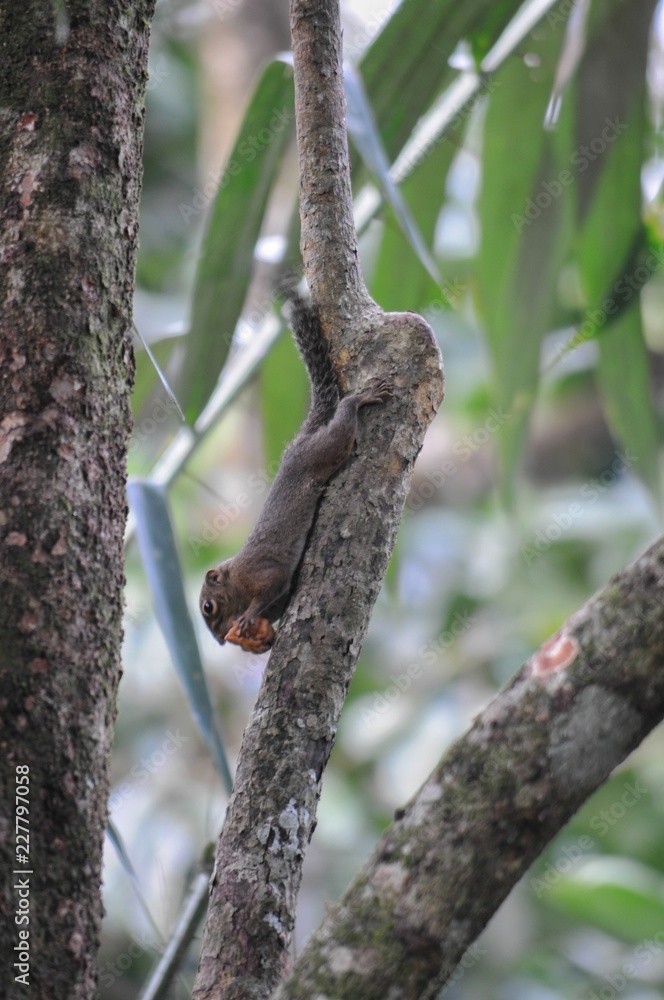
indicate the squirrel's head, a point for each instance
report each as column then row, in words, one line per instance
column 216, row 603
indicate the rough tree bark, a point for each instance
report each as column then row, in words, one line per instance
column 272, row 812
column 72, row 80
column 574, row 711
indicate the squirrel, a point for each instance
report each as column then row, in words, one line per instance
column 242, row 596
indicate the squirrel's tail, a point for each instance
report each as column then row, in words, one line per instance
column 315, row 352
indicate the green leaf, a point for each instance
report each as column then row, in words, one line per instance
column 610, row 123
column 404, row 69
column 225, row 266
column 156, row 543
column 620, row 897
column 365, row 135
column 525, row 210
column 625, row 383
column 406, row 65
column 611, row 129
column 400, row 282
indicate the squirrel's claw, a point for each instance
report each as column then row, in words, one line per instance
column 245, row 626
column 254, row 635
column 377, row 391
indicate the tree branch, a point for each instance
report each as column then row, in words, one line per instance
column 574, row 711
column 328, row 241
column 272, row 812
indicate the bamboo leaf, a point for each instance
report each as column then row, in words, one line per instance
column 365, row 135
column 225, row 265
column 175, row 952
column 407, row 64
column 611, row 129
column 400, row 280
column 156, row 542
column 624, row 379
column 525, row 210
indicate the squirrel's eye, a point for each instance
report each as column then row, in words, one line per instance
column 209, row 608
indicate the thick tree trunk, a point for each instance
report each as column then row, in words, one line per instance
column 72, row 79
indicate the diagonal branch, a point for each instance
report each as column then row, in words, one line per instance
column 576, row 709
column 272, row 812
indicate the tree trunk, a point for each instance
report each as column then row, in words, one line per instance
column 71, row 92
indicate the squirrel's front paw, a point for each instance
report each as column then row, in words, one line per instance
column 254, row 636
column 377, row 391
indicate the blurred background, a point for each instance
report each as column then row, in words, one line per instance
column 507, row 171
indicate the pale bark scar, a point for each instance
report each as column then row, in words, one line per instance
column 554, row 654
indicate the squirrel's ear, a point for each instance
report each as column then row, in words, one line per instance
column 213, row 576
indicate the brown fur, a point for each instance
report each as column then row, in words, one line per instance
column 254, row 586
